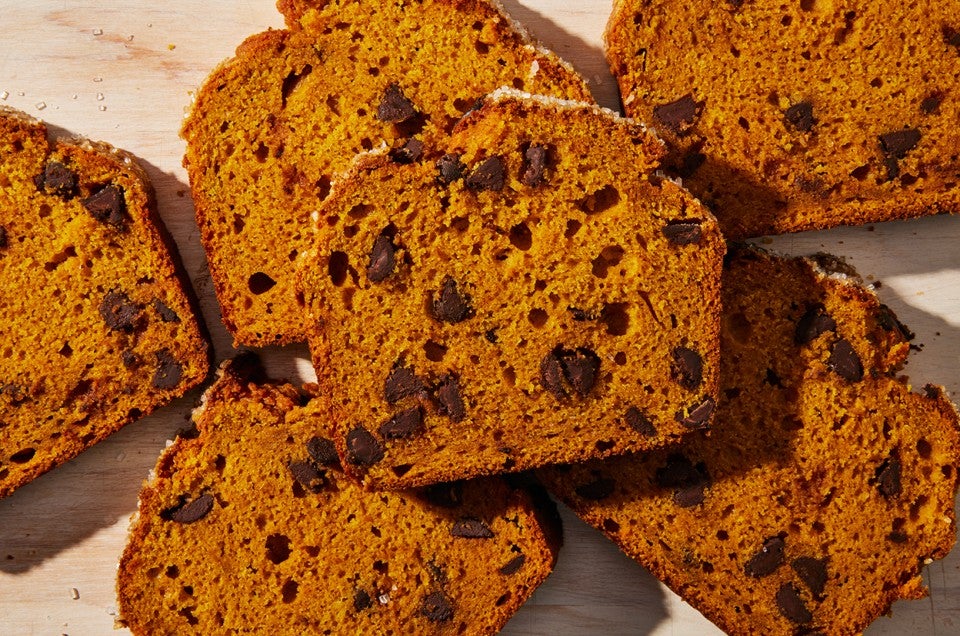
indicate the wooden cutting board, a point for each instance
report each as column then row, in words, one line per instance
column 123, row 71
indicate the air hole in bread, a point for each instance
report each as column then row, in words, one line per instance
column 260, row 283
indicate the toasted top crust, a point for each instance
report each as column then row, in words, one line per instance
column 534, row 296
column 249, row 525
column 101, row 326
column 826, row 483
column 803, row 115
column 272, row 127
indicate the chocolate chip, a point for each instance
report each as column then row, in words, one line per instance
column 845, row 361
column 791, row 605
column 361, row 600
column 813, row 573
column 448, row 495
column 489, row 175
column 688, row 482
column 382, row 258
column 363, row 449
column 596, row 490
column 800, row 116
column 402, row 382
column 403, row 424
column 698, row 416
column 678, row 115
column 58, row 180
column 686, row 232
column 471, row 529
column 687, row 368
column 168, row 373
column 450, row 169
column 450, row 305
column 813, row 323
column 888, row 321
column 188, row 512
column 3, row 237
column 130, row 359
column 166, row 314
column 513, row 565
column 408, row 152
column 118, row 311
column 491, row 336
column 323, row 451
column 451, row 402
column 888, row 478
column 535, row 163
column 107, row 206
column 767, row 560
column 308, row 476
column 395, row 107
column 578, row 368
column 436, row 608
column 899, row 142
column 931, row 103
column 639, row 422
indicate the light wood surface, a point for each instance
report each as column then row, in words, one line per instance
column 123, row 71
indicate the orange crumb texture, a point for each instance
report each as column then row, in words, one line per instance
column 536, row 296
column 273, row 126
column 826, row 485
column 105, row 332
column 249, row 525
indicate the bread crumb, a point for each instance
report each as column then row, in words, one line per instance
column 74, row 593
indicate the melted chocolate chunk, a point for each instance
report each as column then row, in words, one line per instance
column 888, row 321
column 686, row 232
column 382, row 259
column 363, row 449
column 3, row 237
column 450, row 169
column 638, row 421
column 888, row 478
column 169, row 371
column 513, row 565
column 698, row 416
column 408, row 152
column 166, row 314
column 767, row 559
column 845, row 361
column 107, row 206
column 323, row 451
column 471, row 529
column 800, row 116
column 395, row 107
column 450, row 305
column 813, row 573
column 308, row 476
column 951, row 36
column 931, row 103
column 596, row 490
column 436, row 608
column 362, row 600
column 791, row 605
column 687, row 368
column 535, row 163
column 578, row 368
column 131, row 360
column 688, row 482
column 119, row 312
column 403, row 424
column 451, row 402
column 678, row 116
column 899, row 142
column 489, row 175
column 813, row 323
column 402, row 382
column 190, row 511
column 58, row 180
